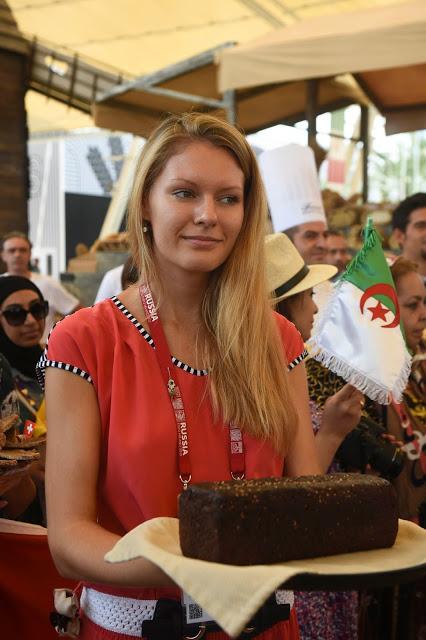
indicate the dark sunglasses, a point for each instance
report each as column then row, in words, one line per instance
column 16, row 315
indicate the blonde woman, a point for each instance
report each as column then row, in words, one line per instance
column 131, row 425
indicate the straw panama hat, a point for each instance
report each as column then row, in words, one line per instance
column 286, row 271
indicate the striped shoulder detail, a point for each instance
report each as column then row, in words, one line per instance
column 297, row 360
column 44, row 362
column 150, row 341
column 133, row 320
column 55, row 364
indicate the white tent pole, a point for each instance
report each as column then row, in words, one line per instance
column 43, row 195
column 118, row 204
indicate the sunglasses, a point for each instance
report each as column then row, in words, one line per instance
column 15, row 314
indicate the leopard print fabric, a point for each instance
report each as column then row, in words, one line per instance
column 323, row 383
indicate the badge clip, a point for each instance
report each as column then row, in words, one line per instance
column 171, row 385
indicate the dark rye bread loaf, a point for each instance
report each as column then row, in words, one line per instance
column 280, row 519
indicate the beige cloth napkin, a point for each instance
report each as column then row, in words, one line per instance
column 231, row 594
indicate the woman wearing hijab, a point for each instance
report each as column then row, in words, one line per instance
column 22, row 318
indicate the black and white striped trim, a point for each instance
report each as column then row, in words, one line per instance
column 133, row 320
column 297, row 360
column 56, row 364
column 68, row 367
column 150, row 341
column 186, row 367
column 43, row 363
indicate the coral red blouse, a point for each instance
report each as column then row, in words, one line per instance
column 139, row 477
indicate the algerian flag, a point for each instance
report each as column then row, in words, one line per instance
column 359, row 335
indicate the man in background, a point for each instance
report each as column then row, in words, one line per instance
column 16, row 254
column 310, row 239
column 409, row 229
column 337, row 250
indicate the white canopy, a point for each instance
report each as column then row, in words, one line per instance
column 329, row 45
column 385, row 48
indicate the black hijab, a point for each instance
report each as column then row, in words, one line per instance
column 24, row 359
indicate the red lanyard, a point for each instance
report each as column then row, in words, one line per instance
column 236, row 444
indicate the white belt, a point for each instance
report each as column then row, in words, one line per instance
column 116, row 613
column 126, row 615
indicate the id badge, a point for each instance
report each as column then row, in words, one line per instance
column 193, row 612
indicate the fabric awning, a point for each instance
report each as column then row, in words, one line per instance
column 133, row 107
column 384, row 49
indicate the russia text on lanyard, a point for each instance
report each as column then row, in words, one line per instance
column 164, row 359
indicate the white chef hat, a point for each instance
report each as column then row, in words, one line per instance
column 292, row 186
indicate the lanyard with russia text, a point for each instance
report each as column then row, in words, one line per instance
column 236, row 444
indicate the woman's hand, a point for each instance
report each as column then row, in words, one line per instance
column 341, row 413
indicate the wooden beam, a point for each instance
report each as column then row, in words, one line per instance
column 311, row 109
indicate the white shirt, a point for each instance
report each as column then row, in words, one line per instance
column 111, row 284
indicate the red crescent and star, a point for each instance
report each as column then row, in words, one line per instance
column 379, row 311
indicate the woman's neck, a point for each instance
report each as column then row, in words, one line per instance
column 180, row 313
column 180, row 301
column 181, row 298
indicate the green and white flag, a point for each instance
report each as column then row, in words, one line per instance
column 359, row 335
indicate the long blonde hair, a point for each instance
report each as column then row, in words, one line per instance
column 248, row 373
